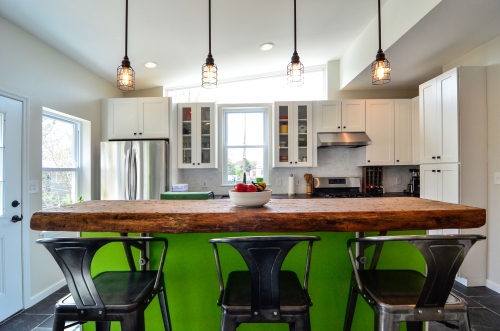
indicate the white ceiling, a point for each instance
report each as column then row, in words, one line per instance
column 174, row 33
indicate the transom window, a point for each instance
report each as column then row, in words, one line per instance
column 60, row 160
column 245, row 144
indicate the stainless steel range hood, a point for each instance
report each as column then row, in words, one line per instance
column 343, row 139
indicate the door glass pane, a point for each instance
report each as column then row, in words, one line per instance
column 58, row 143
column 249, row 160
column 284, row 117
column 302, row 142
column 205, row 134
column 186, row 135
column 2, row 148
column 58, row 188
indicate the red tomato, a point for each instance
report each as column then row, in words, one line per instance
column 240, row 187
column 251, row 188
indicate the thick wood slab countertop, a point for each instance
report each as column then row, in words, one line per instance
column 280, row 215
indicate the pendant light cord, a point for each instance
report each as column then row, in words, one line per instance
column 295, row 25
column 126, row 27
column 379, row 29
column 209, row 26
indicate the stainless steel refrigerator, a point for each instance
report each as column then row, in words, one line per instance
column 134, row 170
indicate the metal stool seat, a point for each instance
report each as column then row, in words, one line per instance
column 264, row 293
column 109, row 296
column 406, row 295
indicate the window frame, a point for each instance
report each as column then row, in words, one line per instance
column 223, row 110
column 77, row 149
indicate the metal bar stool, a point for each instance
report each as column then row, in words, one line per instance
column 264, row 293
column 112, row 295
column 406, row 295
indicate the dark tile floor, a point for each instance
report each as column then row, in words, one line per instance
column 37, row 318
column 484, row 309
column 484, row 312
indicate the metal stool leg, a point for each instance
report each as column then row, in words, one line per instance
column 58, row 323
column 351, row 306
column 162, row 297
column 103, row 326
column 302, row 323
column 133, row 321
column 414, row 326
column 228, row 323
column 463, row 322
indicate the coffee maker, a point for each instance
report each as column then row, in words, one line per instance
column 414, row 185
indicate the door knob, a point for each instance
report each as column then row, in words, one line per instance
column 15, row 203
column 16, row 218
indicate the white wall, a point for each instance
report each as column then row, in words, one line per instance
column 489, row 55
column 48, row 78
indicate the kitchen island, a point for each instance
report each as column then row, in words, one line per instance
column 191, row 277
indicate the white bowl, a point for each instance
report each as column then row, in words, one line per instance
column 250, row 199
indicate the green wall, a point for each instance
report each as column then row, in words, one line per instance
column 193, row 289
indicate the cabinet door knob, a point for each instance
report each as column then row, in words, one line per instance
column 368, row 161
column 194, row 164
column 438, row 157
column 433, row 157
column 140, row 132
column 433, row 170
column 439, row 171
column 135, row 133
column 291, row 163
column 339, row 127
column 198, row 164
column 397, row 160
column 344, row 127
column 295, row 162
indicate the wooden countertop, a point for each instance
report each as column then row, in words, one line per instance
column 280, row 215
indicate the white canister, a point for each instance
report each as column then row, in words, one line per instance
column 302, row 128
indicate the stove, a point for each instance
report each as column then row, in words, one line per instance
column 338, row 187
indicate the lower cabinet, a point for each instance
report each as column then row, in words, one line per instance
column 440, row 182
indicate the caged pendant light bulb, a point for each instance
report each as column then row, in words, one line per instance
column 295, row 69
column 381, row 68
column 209, row 69
column 125, row 76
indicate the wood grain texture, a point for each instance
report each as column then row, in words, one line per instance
column 280, row 215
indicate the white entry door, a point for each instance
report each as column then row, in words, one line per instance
column 10, row 209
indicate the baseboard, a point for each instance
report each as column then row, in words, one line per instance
column 493, row 286
column 45, row 293
column 471, row 281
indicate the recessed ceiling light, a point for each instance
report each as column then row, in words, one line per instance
column 150, row 64
column 266, row 46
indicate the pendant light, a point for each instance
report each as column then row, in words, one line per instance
column 209, row 69
column 125, row 77
column 381, row 68
column 295, row 69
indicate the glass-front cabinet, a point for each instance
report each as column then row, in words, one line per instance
column 293, row 145
column 196, row 130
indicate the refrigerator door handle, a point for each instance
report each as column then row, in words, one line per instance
column 127, row 175
column 134, row 175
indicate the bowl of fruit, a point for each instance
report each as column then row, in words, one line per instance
column 250, row 195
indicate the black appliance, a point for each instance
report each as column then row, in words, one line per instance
column 338, row 187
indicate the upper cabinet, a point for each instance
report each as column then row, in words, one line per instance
column 403, row 128
column 340, row 116
column 380, row 129
column 293, row 140
column 197, row 145
column 439, row 119
column 415, row 130
column 136, row 118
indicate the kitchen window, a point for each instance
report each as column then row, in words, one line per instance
column 61, row 171
column 245, row 134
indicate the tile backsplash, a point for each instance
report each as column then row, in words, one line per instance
column 338, row 162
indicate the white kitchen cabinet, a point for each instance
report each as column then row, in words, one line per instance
column 440, row 182
column 136, row 118
column 415, row 131
column 197, row 145
column 439, row 119
column 340, row 116
column 453, row 142
column 403, row 142
column 293, row 140
column 380, row 129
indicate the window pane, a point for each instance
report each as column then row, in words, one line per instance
column 58, row 188
column 245, row 129
column 249, row 160
column 58, row 143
